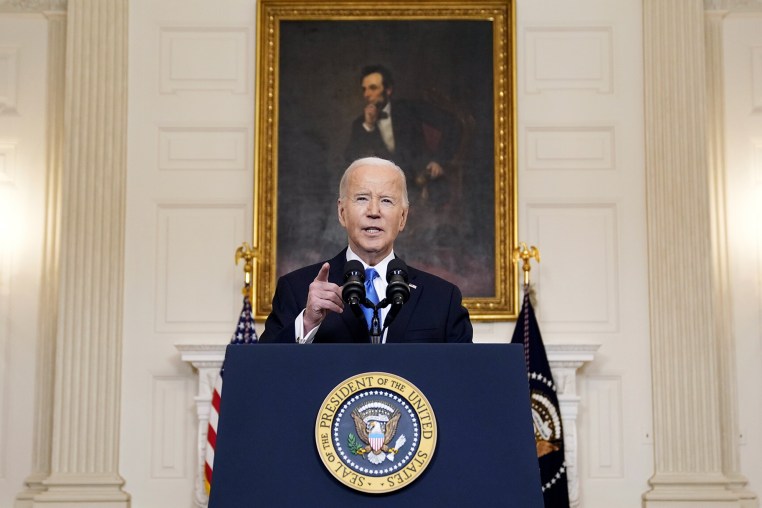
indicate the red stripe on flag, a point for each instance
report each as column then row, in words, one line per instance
column 216, row 400
column 211, row 437
column 208, row 474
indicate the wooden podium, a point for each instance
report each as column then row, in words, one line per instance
column 266, row 453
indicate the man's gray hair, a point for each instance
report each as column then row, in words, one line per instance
column 377, row 162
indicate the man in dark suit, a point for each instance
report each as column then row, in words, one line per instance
column 373, row 208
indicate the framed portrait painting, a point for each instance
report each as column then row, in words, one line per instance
column 447, row 74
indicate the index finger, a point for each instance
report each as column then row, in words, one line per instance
column 322, row 275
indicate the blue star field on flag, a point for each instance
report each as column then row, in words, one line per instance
column 546, row 413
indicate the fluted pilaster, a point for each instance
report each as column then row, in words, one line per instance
column 688, row 445
column 43, row 418
column 85, row 444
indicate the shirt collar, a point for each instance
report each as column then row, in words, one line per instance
column 380, row 266
column 388, row 110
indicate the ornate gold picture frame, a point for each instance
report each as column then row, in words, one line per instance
column 452, row 66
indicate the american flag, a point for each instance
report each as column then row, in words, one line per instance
column 244, row 334
column 546, row 412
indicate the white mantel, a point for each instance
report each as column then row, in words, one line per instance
column 565, row 360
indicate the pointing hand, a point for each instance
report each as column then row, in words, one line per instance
column 323, row 297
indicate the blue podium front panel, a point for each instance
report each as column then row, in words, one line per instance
column 266, row 454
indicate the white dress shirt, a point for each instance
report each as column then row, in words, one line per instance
column 384, row 126
column 379, row 283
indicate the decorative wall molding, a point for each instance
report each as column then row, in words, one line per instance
column 189, row 303
column 733, row 5
column 565, row 362
column 203, row 148
column 7, row 161
column 756, row 157
column 756, row 78
column 569, row 58
column 577, row 298
column 8, row 79
column 570, row 148
column 605, row 448
column 207, row 59
column 168, row 436
column 33, row 6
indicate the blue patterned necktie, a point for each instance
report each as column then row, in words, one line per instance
column 370, row 293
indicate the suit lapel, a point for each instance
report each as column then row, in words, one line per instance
column 399, row 327
column 355, row 327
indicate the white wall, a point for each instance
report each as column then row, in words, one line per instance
column 23, row 49
column 743, row 124
column 189, row 194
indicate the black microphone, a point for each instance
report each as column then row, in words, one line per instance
column 397, row 290
column 353, row 291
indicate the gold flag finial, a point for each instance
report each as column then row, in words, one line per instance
column 525, row 254
column 247, row 254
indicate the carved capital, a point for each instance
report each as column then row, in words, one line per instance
column 733, row 5
column 32, row 6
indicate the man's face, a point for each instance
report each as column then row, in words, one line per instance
column 373, row 90
column 373, row 211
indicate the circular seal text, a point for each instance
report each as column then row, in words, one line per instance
column 376, row 432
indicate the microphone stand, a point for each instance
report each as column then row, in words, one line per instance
column 375, row 323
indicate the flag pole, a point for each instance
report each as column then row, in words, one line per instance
column 546, row 410
column 526, row 254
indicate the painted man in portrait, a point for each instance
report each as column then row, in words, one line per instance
column 420, row 139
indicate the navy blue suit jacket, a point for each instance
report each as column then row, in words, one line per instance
column 434, row 312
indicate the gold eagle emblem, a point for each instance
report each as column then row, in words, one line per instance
column 377, row 434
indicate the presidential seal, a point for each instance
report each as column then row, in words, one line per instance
column 376, row 432
column 547, row 424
